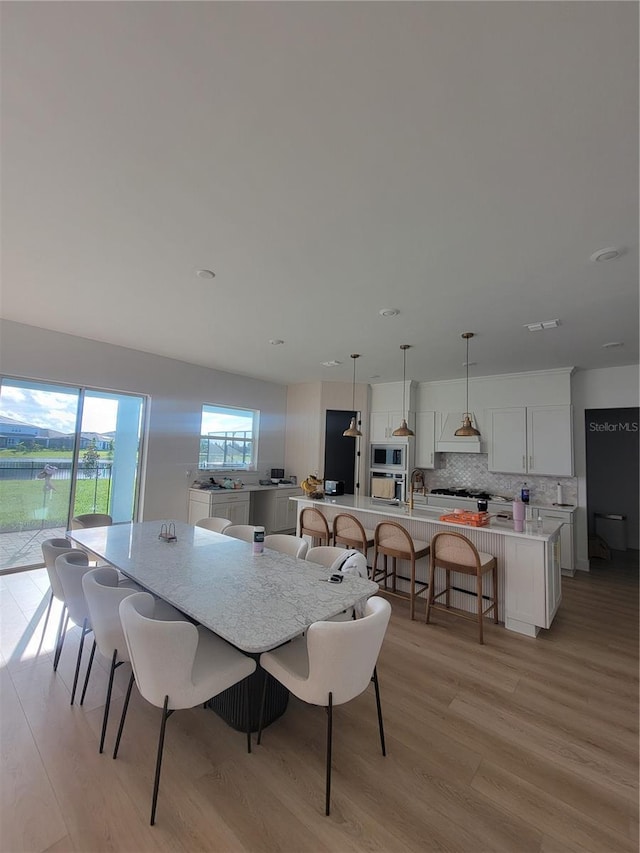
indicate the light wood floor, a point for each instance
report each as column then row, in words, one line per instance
column 519, row 745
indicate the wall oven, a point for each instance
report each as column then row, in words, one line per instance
column 388, row 456
column 386, row 486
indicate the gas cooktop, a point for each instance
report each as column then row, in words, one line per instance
column 467, row 493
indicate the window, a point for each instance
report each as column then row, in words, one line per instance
column 228, row 438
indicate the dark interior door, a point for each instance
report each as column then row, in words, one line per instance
column 339, row 451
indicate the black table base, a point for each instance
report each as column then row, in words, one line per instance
column 230, row 704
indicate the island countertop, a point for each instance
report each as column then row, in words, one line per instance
column 401, row 513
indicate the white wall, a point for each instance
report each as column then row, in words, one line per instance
column 176, row 392
column 596, row 389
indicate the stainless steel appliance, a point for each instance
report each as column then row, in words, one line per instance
column 387, row 486
column 388, row 456
column 334, row 487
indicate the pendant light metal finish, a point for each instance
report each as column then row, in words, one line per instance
column 467, row 430
column 353, row 431
column 403, row 430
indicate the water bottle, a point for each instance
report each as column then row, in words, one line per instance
column 258, row 540
column 524, row 494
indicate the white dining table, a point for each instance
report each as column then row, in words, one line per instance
column 254, row 601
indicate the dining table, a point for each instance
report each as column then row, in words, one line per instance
column 254, row 601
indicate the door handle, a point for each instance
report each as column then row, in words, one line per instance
column 531, row 463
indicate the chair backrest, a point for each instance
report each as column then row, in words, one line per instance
column 218, row 525
column 91, row 519
column 313, row 523
column 392, row 537
column 51, row 549
column 103, row 596
column 295, row 546
column 454, row 549
column 342, row 655
column 240, row 531
column 325, row 555
column 161, row 652
column 70, row 568
column 347, row 528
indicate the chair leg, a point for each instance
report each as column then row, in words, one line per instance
column 107, row 704
column 85, row 631
column 494, row 575
column 412, row 593
column 62, row 629
column 263, row 702
column 156, row 785
column 379, row 707
column 432, row 574
column 329, row 736
column 247, row 712
column 122, row 718
column 86, row 678
column 479, row 592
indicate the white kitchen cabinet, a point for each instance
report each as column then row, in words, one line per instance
column 425, row 440
column 535, row 440
column 225, row 503
column 273, row 509
column 382, row 424
column 533, row 588
column 565, row 517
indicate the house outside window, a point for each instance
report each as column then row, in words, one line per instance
column 228, row 438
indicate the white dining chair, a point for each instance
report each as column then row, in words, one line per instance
column 103, row 595
column 178, row 665
column 70, row 568
column 91, row 519
column 332, row 664
column 325, row 555
column 52, row 548
column 218, row 525
column 240, row 531
column 295, row 546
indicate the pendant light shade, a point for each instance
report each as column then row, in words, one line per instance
column 403, row 430
column 353, row 431
column 467, row 430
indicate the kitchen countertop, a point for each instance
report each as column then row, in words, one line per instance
column 252, row 487
column 432, row 515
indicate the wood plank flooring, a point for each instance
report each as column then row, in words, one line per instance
column 521, row 745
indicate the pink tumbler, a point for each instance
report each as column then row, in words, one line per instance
column 518, row 516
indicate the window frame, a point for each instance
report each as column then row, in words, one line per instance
column 225, row 437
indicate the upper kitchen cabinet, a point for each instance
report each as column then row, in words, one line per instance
column 387, row 411
column 425, row 440
column 531, row 440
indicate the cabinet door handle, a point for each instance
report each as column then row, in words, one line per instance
column 432, row 458
column 531, row 463
column 524, row 463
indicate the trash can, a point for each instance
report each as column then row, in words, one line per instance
column 613, row 529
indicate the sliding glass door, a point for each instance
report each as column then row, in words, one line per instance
column 63, row 451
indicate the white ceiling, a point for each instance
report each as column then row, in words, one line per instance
column 457, row 161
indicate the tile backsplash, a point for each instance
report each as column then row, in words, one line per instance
column 469, row 471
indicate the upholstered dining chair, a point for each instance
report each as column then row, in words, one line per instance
column 295, row 546
column 91, row 519
column 240, row 531
column 177, row 665
column 332, row 664
column 325, row 555
column 103, row 595
column 70, row 568
column 215, row 523
column 454, row 552
column 52, row 548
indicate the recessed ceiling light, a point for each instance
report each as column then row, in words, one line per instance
column 541, row 325
column 607, row 254
column 388, row 312
column 276, row 342
column 331, row 363
column 612, row 344
column 205, row 274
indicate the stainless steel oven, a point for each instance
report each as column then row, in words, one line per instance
column 387, row 486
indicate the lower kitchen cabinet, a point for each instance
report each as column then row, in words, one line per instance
column 225, row 503
column 533, row 588
column 273, row 509
column 565, row 517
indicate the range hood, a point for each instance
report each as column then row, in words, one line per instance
column 448, row 442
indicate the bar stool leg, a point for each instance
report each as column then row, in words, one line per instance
column 479, row 591
column 494, row 575
column 412, row 594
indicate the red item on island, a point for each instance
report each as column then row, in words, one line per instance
column 471, row 519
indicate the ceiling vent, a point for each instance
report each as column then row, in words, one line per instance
column 544, row 324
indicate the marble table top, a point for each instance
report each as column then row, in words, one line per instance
column 256, row 602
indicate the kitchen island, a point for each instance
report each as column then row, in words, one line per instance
column 529, row 587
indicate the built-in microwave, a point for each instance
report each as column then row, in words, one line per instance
column 388, row 456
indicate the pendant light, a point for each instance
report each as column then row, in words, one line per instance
column 403, row 430
column 353, row 431
column 467, row 430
